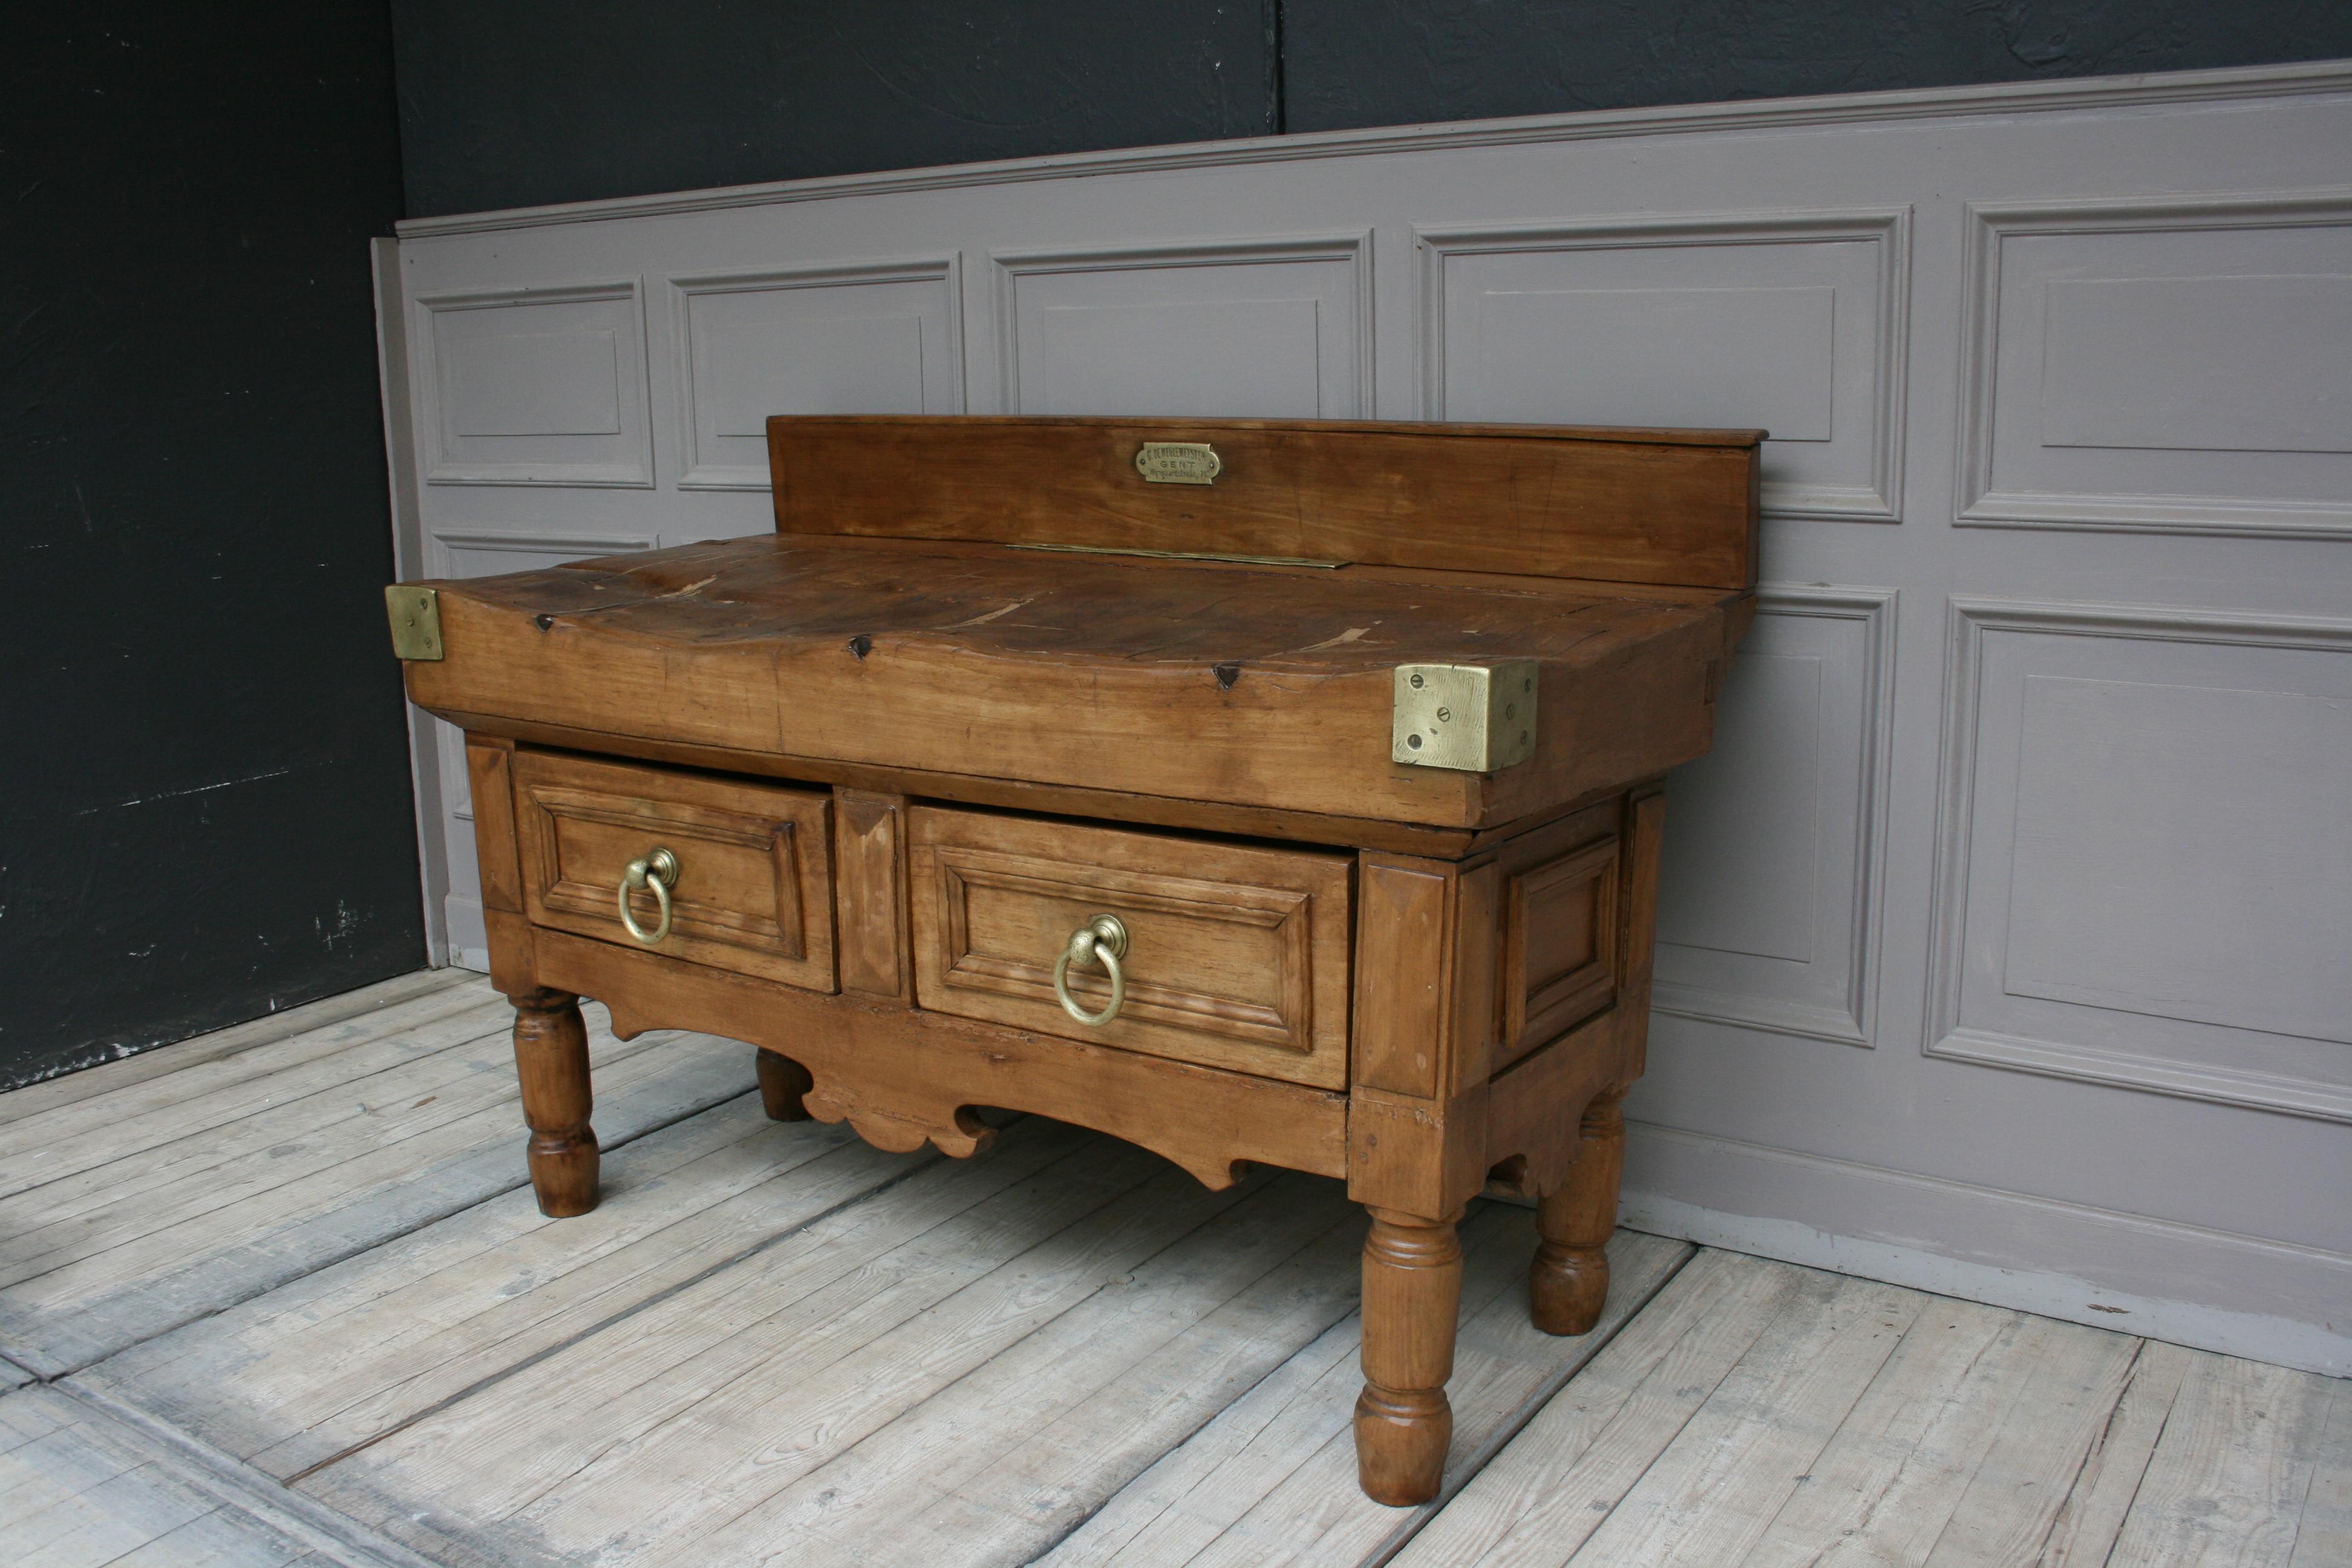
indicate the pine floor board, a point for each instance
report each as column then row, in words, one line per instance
column 48, row 1146
column 299, row 1309
column 78, row 1491
column 683, row 1425
column 2229, row 1480
column 120, row 1251
column 108, row 1077
column 2324, row 1534
column 1272, row 1479
column 340, row 1357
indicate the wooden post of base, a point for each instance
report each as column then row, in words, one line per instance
column 1568, row 1281
column 783, row 1081
column 551, row 1057
column 1413, row 1291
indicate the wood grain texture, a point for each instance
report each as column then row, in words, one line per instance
column 334, row 1157
column 1567, row 1282
column 1266, row 688
column 2230, row 1480
column 1693, row 1437
column 337, row 1359
column 1530, row 1119
column 904, row 1078
column 1412, row 1295
column 869, row 836
column 1542, row 1497
column 2324, row 1534
column 78, row 1490
column 783, row 1084
column 1237, row 956
column 550, row 1045
column 772, row 1341
column 1401, row 976
column 489, row 775
column 1560, row 942
column 1643, row 506
column 754, row 891
column 1001, row 1464
column 758, row 1375
column 1270, row 1479
column 1011, row 794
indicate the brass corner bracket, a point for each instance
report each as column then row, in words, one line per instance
column 1472, row 718
column 415, row 616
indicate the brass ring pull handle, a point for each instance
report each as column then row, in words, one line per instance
column 657, row 871
column 1102, row 940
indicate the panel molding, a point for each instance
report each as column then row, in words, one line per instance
column 1853, row 1022
column 1988, row 225
column 1352, row 248
column 944, row 268
column 440, row 470
column 1972, row 620
column 2097, row 94
column 1889, row 229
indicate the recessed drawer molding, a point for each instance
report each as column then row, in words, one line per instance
column 1237, row 956
column 753, row 892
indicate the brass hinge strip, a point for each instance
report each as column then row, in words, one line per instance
column 1186, row 555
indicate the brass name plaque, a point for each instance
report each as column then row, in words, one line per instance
column 1179, row 463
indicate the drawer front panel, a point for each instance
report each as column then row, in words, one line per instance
column 1237, row 956
column 754, row 888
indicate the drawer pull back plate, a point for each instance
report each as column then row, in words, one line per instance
column 1102, row 940
column 657, row 871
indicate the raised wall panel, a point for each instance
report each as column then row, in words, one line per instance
column 2146, row 872
column 536, row 387
column 871, row 337
column 1768, row 884
column 1275, row 329
column 2174, row 366
column 1791, row 323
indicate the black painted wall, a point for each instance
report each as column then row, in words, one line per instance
column 204, row 804
column 529, row 101
column 1391, row 62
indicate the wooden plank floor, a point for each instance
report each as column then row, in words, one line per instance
column 281, row 1296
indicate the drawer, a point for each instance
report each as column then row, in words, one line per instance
column 1237, row 956
column 754, row 887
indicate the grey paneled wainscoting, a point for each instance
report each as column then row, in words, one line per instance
column 2003, row 941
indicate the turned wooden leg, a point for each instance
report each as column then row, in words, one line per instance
column 783, row 1081
column 1413, row 1294
column 552, row 1057
column 1568, row 1281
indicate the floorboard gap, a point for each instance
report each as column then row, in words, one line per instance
column 34, row 1362
column 633, row 1309
column 328, row 1530
column 1418, row 1518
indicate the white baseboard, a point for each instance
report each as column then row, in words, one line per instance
column 2185, row 1285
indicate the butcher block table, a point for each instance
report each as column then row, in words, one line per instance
column 1258, row 792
